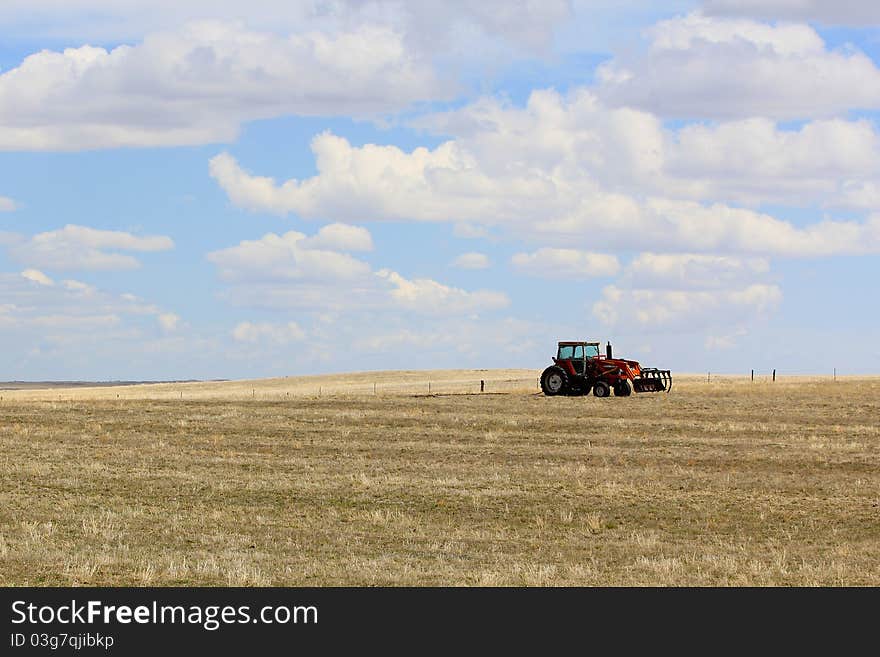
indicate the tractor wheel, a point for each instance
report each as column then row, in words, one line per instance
column 601, row 389
column 622, row 388
column 554, row 381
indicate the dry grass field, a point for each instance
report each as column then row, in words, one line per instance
column 322, row 481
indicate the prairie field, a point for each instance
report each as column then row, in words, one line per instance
column 379, row 479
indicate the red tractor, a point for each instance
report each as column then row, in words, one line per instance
column 579, row 367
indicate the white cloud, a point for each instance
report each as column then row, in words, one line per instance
column 340, row 237
column 683, row 33
column 168, row 321
column 684, row 310
column 569, row 172
column 565, row 263
column 508, row 166
column 7, row 204
column 82, row 289
column 703, row 66
column 436, row 25
column 37, row 276
column 754, row 161
column 75, row 331
column 367, row 183
column 691, row 271
column 687, row 292
column 255, row 332
column 840, row 12
column 287, row 272
column 471, row 260
column 430, row 297
column 197, row 84
column 286, row 257
column 720, row 228
column 42, row 310
column 861, row 194
column 84, row 248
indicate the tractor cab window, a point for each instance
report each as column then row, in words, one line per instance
column 592, row 351
column 565, row 352
column 578, row 351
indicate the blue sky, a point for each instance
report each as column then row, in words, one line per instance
column 192, row 190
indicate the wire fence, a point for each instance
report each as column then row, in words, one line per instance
column 405, row 388
column 408, row 384
column 283, row 390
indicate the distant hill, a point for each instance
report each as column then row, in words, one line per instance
column 44, row 385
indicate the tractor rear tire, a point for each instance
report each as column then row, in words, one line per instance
column 622, row 388
column 601, row 389
column 554, row 381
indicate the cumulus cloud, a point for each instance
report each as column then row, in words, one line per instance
column 860, row 194
column 37, row 276
column 42, row 309
column 517, row 166
column 571, row 172
column 755, row 161
column 197, row 84
column 440, row 26
column 82, row 248
column 286, row 257
column 471, row 260
column 340, row 237
column 840, row 12
column 7, row 204
column 255, row 332
column 84, row 289
column 649, row 310
column 290, row 272
column 430, row 297
column 719, row 228
column 701, row 66
column 367, row 183
column 691, row 271
column 721, row 296
column 565, row 263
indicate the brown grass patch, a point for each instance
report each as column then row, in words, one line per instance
column 727, row 483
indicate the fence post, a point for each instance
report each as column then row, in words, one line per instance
column 482, row 385
column 753, row 375
column 708, row 377
column 374, row 388
column 835, row 374
column 429, row 387
column 774, row 375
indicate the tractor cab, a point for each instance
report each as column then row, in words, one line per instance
column 577, row 353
